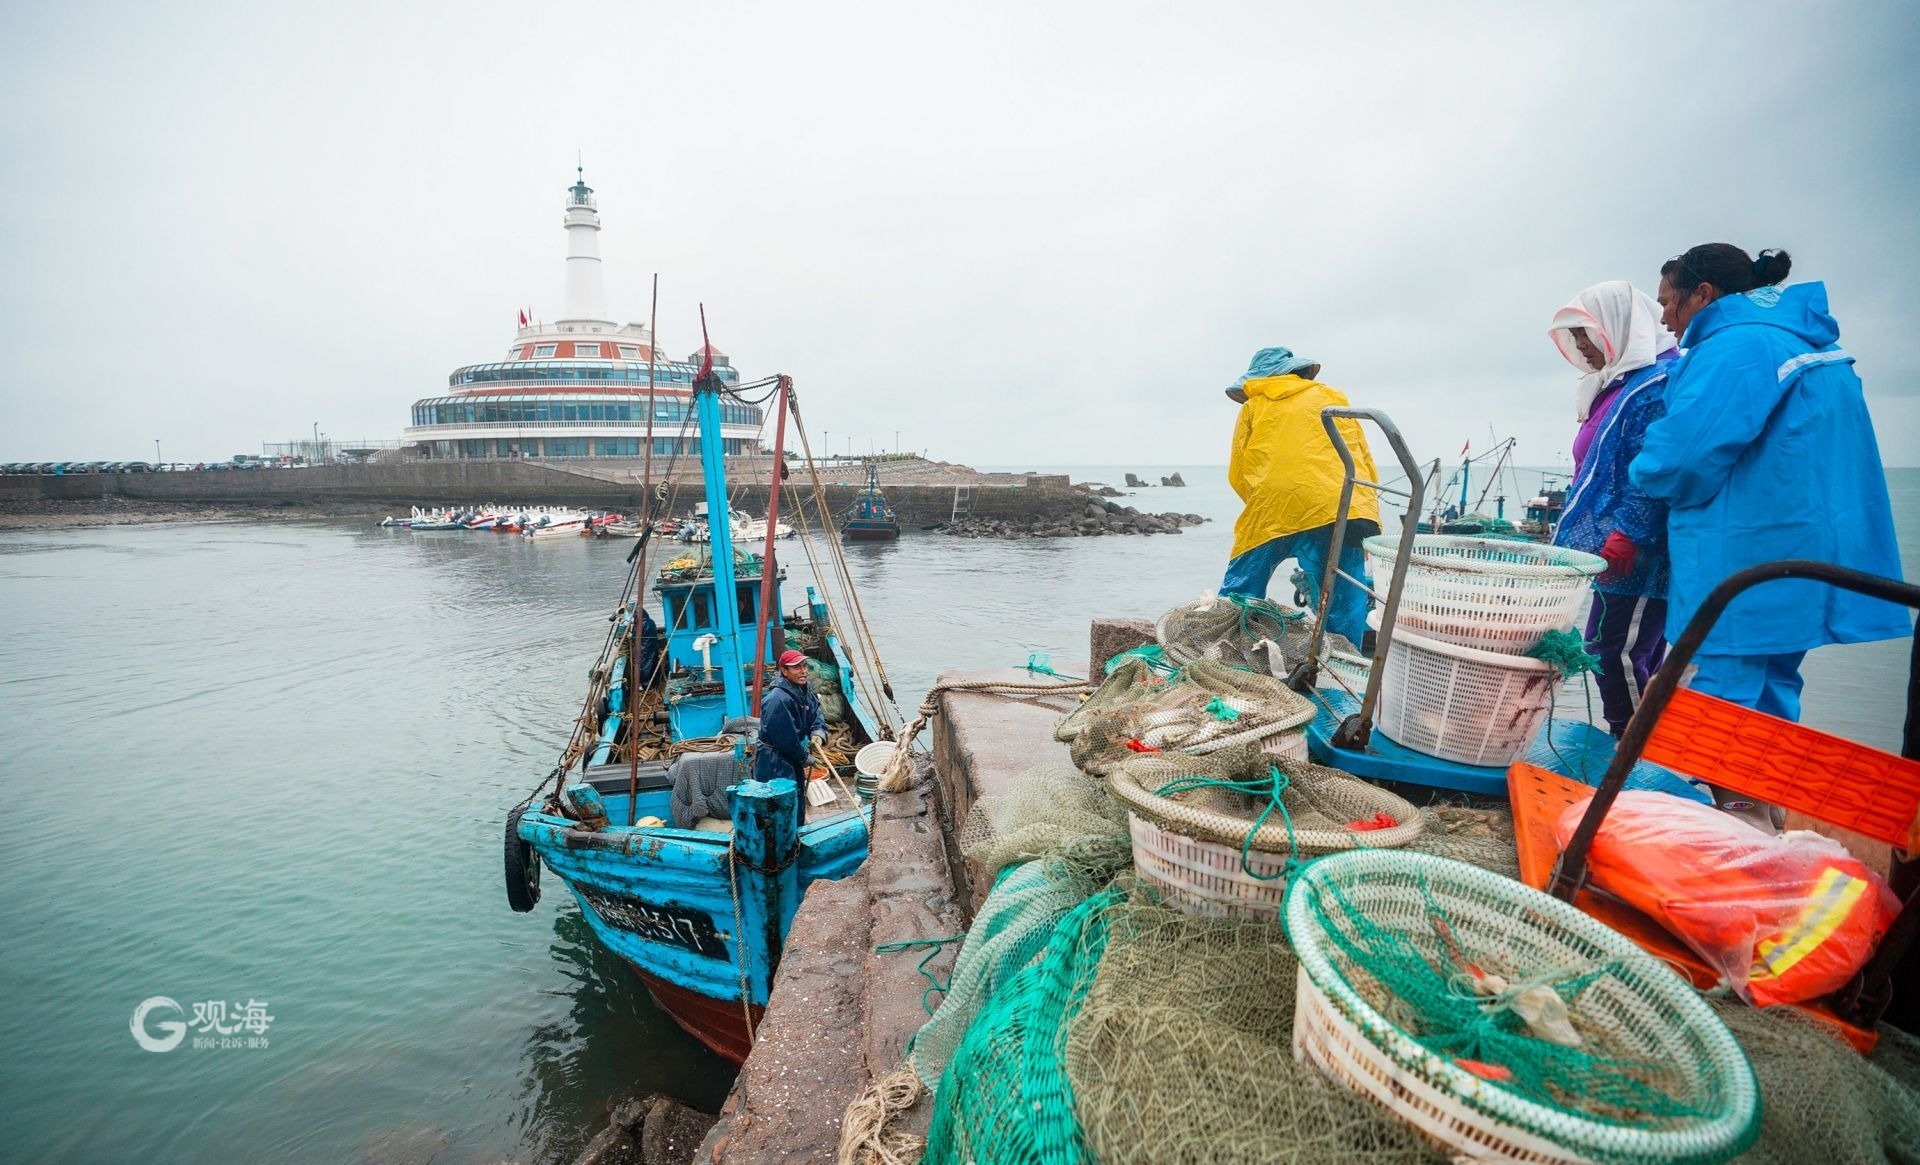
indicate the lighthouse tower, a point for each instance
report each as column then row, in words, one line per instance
column 586, row 285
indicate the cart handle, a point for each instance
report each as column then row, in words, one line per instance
column 1356, row 729
column 1570, row 872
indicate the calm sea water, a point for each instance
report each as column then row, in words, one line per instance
column 270, row 764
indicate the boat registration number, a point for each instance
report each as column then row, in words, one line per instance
column 673, row 925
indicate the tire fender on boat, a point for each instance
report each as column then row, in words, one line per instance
column 523, row 867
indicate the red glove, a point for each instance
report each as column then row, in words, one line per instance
column 1619, row 553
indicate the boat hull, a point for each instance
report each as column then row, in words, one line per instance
column 717, row 1023
column 856, row 532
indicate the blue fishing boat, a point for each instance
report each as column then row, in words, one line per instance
column 870, row 518
column 683, row 864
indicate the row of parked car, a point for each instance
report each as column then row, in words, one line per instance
column 66, row 467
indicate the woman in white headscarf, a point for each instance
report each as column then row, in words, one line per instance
column 1612, row 333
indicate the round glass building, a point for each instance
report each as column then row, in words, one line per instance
column 576, row 387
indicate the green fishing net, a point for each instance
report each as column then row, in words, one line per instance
column 1006, row 1096
column 1457, row 974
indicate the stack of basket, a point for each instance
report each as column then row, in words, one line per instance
column 1459, row 682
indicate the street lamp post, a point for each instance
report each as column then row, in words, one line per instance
column 156, row 452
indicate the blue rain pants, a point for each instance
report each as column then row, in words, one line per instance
column 1248, row 574
column 1765, row 683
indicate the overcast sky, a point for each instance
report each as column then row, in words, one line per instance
column 1044, row 233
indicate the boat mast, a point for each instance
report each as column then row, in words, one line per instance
column 726, row 599
column 767, row 566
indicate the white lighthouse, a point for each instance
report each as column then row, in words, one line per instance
column 586, row 285
column 582, row 386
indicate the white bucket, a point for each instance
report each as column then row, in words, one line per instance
column 871, row 764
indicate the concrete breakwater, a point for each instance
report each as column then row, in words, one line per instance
column 941, row 495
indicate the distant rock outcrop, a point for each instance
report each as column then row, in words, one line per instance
column 1174, row 480
column 1096, row 518
column 1134, row 482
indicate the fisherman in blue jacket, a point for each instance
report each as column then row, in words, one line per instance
column 789, row 720
column 1612, row 332
column 1766, row 452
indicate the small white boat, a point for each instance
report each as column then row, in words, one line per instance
column 546, row 526
column 745, row 529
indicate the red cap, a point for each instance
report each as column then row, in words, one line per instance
column 791, row 658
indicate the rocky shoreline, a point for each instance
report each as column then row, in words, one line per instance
column 1100, row 516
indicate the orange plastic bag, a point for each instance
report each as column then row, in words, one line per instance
column 1784, row 919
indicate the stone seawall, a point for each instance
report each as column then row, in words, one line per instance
column 388, row 488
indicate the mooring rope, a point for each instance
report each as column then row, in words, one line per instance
column 899, row 773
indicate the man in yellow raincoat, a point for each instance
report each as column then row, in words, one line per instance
column 1289, row 475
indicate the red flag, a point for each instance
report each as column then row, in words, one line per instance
column 523, row 317
column 1467, row 446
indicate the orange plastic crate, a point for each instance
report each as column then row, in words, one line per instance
column 1823, row 776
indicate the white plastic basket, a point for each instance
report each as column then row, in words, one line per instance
column 1491, row 593
column 1195, row 876
column 1290, row 744
column 1461, row 703
column 1516, row 931
column 1204, row 875
column 1345, row 671
column 1325, row 1039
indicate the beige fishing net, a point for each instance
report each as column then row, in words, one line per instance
column 1204, row 707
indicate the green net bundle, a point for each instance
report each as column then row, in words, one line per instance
column 1478, row 836
column 1182, row 1052
column 1203, row 707
column 1014, row 925
column 1234, row 630
column 1011, row 1100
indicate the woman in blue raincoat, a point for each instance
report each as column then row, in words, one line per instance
column 1612, row 332
column 1766, row 452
